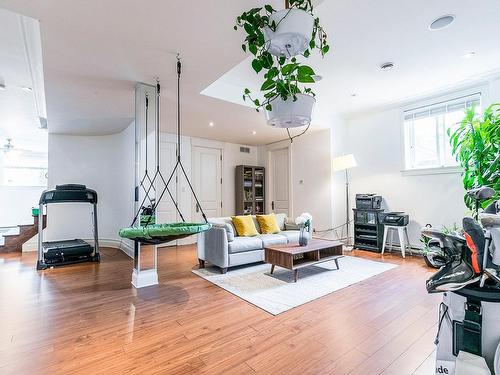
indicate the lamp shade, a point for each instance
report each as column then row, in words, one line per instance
column 344, row 162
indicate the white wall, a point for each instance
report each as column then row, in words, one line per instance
column 16, row 203
column 310, row 173
column 375, row 140
column 103, row 163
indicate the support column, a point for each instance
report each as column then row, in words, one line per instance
column 145, row 271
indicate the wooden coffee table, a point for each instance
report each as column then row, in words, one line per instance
column 294, row 257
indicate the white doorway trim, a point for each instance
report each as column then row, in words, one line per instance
column 270, row 149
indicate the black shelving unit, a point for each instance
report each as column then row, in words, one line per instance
column 250, row 190
column 368, row 230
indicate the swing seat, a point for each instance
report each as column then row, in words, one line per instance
column 156, row 234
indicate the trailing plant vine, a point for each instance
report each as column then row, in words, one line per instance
column 283, row 74
column 476, row 146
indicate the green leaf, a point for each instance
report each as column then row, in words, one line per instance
column 266, row 59
column 244, row 47
column 268, row 85
column 305, row 79
column 256, row 102
column 312, row 44
column 269, row 8
column 247, row 91
column 249, row 28
column 325, row 49
column 305, row 70
column 288, row 69
column 306, row 53
column 269, row 107
column 273, row 72
column 253, row 49
column 256, row 65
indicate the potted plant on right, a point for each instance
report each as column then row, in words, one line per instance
column 476, row 146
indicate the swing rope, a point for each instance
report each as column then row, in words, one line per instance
column 159, row 233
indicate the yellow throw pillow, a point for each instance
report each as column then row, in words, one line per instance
column 268, row 224
column 245, row 226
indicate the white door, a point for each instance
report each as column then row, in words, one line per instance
column 279, row 181
column 207, row 182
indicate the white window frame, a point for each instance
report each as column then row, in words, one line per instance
column 478, row 90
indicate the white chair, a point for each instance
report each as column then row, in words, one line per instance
column 403, row 238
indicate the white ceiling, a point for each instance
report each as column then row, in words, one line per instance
column 94, row 51
column 18, row 108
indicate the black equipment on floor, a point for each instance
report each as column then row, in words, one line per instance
column 368, row 201
column 368, row 229
column 58, row 253
column 397, row 219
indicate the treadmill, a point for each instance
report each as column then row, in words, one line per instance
column 58, row 253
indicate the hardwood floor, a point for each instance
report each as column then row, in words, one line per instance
column 88, row 319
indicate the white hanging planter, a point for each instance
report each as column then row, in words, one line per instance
column 289, row 113
column 293, row 33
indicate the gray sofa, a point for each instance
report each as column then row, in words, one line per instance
column 222, row 247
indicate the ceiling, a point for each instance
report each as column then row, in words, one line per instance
column 94, row 53
column 19, row 65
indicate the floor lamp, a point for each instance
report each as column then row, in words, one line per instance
column 344, row 163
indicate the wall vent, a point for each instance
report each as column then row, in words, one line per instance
column 246, row 150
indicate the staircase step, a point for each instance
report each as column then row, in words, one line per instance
column 14, row 242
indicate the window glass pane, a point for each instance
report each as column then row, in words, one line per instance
column 452, row 122
column 426, row 140
column 23, row 168
column 426, row 153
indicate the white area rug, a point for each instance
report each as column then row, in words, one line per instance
column 278, row 293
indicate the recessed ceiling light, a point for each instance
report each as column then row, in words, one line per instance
column 469, row 55
column 254, row 132
column 27, row 89
column 442, row 22
column 386, row 66
column 211, row 124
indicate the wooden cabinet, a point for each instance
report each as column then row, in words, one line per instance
column 250, row 190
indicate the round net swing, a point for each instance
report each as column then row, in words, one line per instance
column 149, row 232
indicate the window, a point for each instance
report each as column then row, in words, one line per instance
column 23, row 168
column 426, row 141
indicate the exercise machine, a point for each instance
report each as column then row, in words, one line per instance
column 58, row 253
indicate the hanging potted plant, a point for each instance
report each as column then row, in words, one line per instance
column 274, row 39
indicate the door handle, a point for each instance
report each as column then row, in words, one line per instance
column 272, row 205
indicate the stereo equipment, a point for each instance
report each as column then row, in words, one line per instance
column 368, row 201
column 398, row 219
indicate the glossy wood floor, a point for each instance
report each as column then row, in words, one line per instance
column 88, row 319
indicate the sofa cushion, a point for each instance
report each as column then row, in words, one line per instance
column 226, row 223
column 241, row 244
column 273, row 239
column 281, row 218
column 245, row 225
column 291, row 235
column 268, row 224
column 290, row 224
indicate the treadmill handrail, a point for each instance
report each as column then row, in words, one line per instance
column 68, row 196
